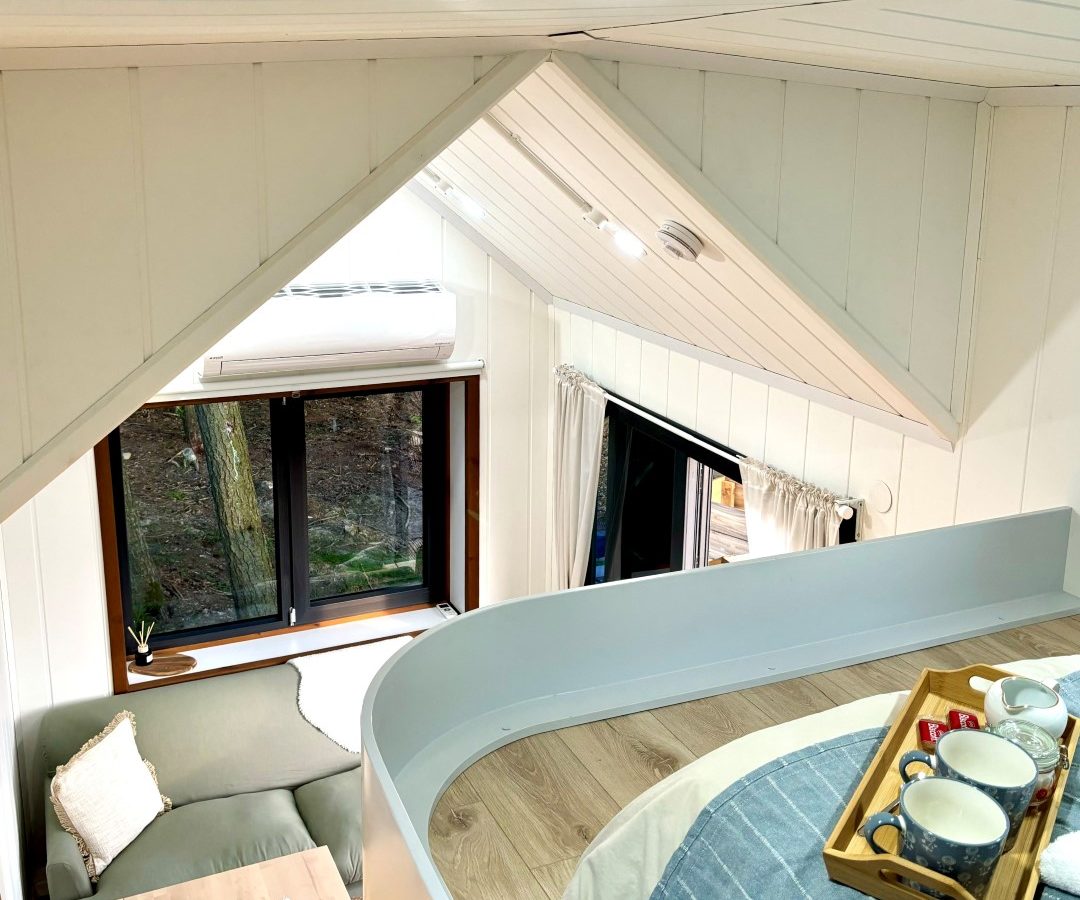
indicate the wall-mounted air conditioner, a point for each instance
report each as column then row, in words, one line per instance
column 308, row 328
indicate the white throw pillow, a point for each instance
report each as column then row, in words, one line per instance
column 106, row 794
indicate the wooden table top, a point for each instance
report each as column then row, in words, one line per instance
column 308, row 875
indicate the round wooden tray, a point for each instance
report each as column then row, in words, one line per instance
column 165, row 665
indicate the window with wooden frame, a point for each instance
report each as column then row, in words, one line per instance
column 233, row 517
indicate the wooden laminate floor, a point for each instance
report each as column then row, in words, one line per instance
column 515, row 822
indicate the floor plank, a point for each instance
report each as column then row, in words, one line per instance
column 554, row 878
column 475, row 857
column 459, row 793
column 627, row 755
column 703, row 725
column 529, row 809
column 865, row 679
column 783, row 701
column 543, row 798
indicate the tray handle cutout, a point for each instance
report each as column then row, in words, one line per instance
column 890, row 869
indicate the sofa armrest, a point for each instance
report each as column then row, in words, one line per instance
column 64, row 867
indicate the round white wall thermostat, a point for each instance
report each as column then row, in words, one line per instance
column 679, row 241
column 881, row 497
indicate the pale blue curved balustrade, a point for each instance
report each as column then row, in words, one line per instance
column 521, row 667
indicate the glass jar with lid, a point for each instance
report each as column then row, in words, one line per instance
column 1050, row 756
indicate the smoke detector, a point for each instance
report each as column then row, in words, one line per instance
column 679, row 241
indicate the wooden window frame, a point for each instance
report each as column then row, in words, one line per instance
column 436, row 476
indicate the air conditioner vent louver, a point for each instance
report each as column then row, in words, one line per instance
column 350, row 289
column 338, row 326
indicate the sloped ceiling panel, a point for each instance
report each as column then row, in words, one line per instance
column 991, row 43
column 145, row 212
column 36, row 23
column 730, row 303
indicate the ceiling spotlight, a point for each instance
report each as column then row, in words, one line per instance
column 679, row 242
column 596, row 218
column 627, row 243
column 468, row 206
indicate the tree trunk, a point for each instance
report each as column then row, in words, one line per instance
column 399, row 440
column 192, row 435
column 147, row 594
column 228, row 468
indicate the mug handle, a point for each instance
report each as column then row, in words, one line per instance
column 880, row 820
column 914, row 756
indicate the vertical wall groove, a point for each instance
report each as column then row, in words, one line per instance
column 10, row 286
column 146, row 306
column 918, row 236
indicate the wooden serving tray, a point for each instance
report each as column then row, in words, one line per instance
column 848, row 857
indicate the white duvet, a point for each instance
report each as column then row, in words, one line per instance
column 629, row 855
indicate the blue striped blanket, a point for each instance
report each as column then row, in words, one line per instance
column 762, row 837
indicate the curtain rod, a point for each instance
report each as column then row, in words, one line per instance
column 844, row 508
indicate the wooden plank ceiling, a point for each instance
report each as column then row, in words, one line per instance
column 68, row 23
column 729, row 302
column 987, row 43
column 991, row 43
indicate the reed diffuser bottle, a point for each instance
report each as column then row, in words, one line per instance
column 143, row 654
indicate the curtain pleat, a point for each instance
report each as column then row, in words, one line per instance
column 577, row 445
column 784, row 514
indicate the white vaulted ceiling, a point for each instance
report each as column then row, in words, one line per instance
column 745, row 300
column 40, row 23
column 992, row 43
column 986, row 43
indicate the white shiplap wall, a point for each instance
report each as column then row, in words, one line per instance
column 51, row 576
column 867, row 191
column 54, row 603
column 1022, row 426
column 146, row 210
column 11, row 826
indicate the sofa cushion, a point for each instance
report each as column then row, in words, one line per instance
column 106, row 794
column 231, row 734
column 330, row 807
column 205, row 838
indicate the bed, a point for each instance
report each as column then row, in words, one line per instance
column 628, row 857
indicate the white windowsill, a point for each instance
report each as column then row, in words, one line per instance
column 188, row 386
column 294, row 643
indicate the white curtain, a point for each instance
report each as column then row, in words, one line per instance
column 784, row 514
column 578, row 439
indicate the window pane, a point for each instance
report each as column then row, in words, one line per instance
column 600, row 528
column 647, row 509
column 727, row 519
column 199, row 511
column 365, row 493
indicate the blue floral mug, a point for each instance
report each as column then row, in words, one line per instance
column 987, row 761
column 947, row 826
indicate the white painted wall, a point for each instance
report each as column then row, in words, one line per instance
column 11, row 863
column 53, row 601
column 145, row 211
column 1019, row 450
column 868, row 192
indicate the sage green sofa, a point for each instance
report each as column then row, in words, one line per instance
column 250, row 779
